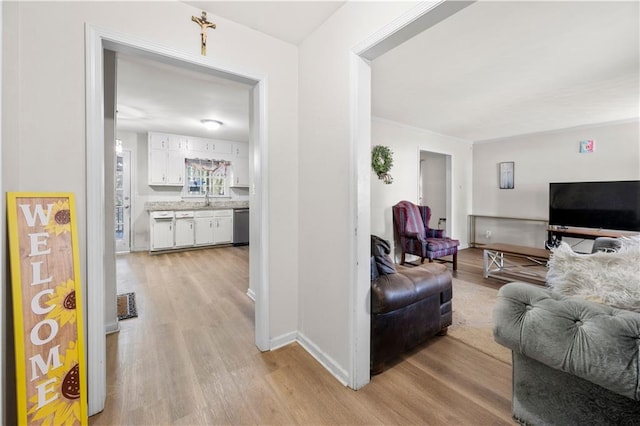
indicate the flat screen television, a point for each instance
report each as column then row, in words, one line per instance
column 603, row 205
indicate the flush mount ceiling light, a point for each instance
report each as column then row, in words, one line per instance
column 211, row 124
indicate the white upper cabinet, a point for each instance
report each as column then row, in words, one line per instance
column 240, row 165
column 209, row 149
column 166, row 159
column 168, row 153
column 240, row 173
column 241, row 149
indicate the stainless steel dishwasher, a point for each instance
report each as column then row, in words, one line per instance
column 240, row 227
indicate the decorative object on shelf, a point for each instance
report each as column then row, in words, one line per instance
column 381, row 162
column 587, row 146
column 506, row 175
column 204, row 25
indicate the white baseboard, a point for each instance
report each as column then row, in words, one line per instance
column 251, row 294
column 113, row 327
column 327, row 362
column 282, row 340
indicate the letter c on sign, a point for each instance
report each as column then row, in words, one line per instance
column 35, row 337
column 36, row 308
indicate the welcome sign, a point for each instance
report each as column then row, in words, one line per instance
column 47, row 305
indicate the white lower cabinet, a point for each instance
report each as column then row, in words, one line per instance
column 192, row 229
column 161, row 228
column 223, row 227
column 204, row 227
column 185, row 233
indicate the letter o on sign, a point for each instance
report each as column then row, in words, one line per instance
column 35, row 332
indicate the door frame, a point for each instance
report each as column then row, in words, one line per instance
column 448, row 158
column 416, row 20
column 96, row 40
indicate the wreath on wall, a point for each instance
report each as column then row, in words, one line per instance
column 381, row 162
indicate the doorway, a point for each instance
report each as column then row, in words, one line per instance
column 100, row 237
column 123, row 199
column 434, row 185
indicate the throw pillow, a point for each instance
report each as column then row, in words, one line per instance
column 380, row 249
column 609, row 278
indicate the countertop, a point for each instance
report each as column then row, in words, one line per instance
column 154, row 206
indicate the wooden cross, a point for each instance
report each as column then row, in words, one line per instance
column 204, row 25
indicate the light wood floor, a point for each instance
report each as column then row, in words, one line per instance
column 189, row 358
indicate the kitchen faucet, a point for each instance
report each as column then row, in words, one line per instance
column 207, row 202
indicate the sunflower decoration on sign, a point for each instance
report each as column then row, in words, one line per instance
column 59, row 218
column 62, row 381
column 381, row 162
column 63, row 302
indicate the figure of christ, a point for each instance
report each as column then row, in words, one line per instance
column 204, row 25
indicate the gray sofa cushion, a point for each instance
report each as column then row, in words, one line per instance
column 592, row 341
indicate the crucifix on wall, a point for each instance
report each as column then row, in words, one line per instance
column 204, row 25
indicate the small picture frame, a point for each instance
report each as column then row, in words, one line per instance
column 587, row 146
column 506, row 175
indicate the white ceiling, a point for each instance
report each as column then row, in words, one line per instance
column 493, row 70
column 498, row 69
column 291, row 21
column 153, row 96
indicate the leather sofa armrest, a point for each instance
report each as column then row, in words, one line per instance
column 407, row 286
column 592, row 341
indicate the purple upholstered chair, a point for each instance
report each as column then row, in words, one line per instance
column 411, row 223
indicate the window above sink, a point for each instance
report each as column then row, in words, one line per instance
column 206, row 178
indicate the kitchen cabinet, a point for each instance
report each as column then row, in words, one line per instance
column 207, row 148
column 161, row 228
column 166, row 159
column 241, row 150
column 184, row 229
column 223, row 227
column 240, row 173
column 217, row 146
column 205, row 223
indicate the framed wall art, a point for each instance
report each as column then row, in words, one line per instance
column 506, row 175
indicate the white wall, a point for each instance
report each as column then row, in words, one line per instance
column 406, row 143
column 44, row 130
column 326, row 241
column 549, row 157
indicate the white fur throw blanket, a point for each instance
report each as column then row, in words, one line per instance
column 609, row 278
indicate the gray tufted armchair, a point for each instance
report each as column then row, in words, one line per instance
column 575, row 362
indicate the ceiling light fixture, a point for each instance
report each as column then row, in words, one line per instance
column 211, row 124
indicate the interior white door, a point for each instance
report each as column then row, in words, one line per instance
column 123, row 201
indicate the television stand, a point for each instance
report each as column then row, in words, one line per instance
column 555, row 234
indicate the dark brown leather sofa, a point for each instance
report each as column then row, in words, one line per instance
column 408, row 305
